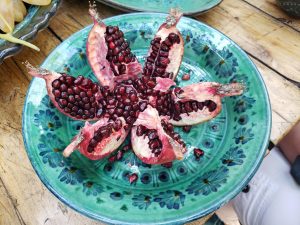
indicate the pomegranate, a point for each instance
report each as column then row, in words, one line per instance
column 154, row 140
column 200, row 102
column 108, row 52
column 166, row 51
column 74, row 97
column 148, row 105
column 98, row 140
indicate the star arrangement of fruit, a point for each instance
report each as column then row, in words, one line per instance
column 130, row 98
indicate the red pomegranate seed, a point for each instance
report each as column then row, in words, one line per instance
column 132, row 178
column 112, row 159
column 198, row 153
column 186, row 76
column 186, row 128
column 127, row 147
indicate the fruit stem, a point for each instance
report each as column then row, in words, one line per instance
column 94, row 13
column 36, row 71
column 230, row 89
column 11, row 38
column 73, row 145
column 173, row 17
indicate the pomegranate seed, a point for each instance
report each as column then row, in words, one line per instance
column 119, row 155
column 186, row 77
column 112, row 159
column 198, row 153
column 132, row 178
column 186, row 128
column 127, row 147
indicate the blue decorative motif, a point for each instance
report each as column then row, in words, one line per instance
column 131, row 32
column 208, row 143
column 146, row 178
column 141, row 201
column 171, row 199
column 71, row 175
column 146, row 31
column 226, row 62
column 116, row 196
column 187, row 35
column 90, row 188
column 47, row 103
column 243, row 103
column 47, row 120
column 243, row 135
column 208, row 182
column 163, row 176
column 80, row 59
column 181, row 170
column 234, row 156
column 50, row 148
column 243, row 119
column 201, row 44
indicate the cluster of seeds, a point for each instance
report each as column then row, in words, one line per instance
column 104, row 132
column 169, row 129
column 154, row 143
column 77, row 96
column 157, row 62
column 122, row 102
column 118, row 53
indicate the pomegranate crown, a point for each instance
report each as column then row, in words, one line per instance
column 36, row 71
column 94, row 12
column 174, row 15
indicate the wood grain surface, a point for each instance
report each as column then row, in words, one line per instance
column 268, row 35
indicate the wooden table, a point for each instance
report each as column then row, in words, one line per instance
column 268, row 35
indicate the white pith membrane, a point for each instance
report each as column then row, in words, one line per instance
column 171, row 149
column 104, row 147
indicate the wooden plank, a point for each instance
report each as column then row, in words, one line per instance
column 35, row 204
column 8, row 214
column 266, row 39
column 285, row 102
column 272, row 8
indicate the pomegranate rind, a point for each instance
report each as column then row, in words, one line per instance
column 96, row 50
column 171, row 149
column 201, row 92
column 176, row 51
column 104, row 148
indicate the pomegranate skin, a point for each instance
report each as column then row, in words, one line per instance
column 103, row 148
column 97, row 53
column 170, row 150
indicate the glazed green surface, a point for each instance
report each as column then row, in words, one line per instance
column 188, row 7
column 234, row 142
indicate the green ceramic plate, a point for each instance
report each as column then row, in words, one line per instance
column 234, row 142
column 188, row 7
column 37, row 18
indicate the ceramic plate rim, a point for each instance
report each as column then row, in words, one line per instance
column 125, row 8
column 213, row 208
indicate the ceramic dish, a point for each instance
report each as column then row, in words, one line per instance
column 37, row 18
column 234, row 142
column 188, row 7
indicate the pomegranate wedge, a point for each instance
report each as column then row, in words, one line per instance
column 77, row 98
column 109, row 54
column 200, row 102
column 98, row 140
column 166, row 50
column 154, row 140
